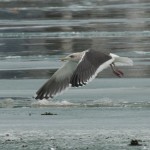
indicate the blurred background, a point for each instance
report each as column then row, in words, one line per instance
column 106, row 114
column 34, row 34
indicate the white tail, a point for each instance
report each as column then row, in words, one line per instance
column 122, row 60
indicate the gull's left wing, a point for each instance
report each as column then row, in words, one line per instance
column 91, row 63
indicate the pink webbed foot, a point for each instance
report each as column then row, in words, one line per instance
column 117, row 72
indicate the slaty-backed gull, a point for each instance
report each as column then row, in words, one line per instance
column 79, row 69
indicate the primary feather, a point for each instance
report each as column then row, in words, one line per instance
column 58, row 82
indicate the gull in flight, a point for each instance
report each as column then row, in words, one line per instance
column 79, row 69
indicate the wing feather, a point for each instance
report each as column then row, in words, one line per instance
column 89, row 66
column 58, row 82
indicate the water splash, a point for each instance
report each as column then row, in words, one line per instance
column 46, row 103
column 7, row 103
column 104, row 102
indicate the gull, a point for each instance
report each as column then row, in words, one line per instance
column 80, row 68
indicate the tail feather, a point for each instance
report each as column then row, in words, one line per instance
column 122, row 60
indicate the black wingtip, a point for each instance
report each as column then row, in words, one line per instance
column 73, row 81
column 41, row 96
column 37, row 97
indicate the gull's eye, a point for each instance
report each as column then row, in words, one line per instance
column 71, row 56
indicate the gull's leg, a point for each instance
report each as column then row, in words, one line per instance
column 117, row 72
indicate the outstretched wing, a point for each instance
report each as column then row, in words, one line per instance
column 58, row 82
column 89, row 66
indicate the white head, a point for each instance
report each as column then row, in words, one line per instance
column 73, row 57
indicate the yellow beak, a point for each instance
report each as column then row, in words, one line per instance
column 64, row 59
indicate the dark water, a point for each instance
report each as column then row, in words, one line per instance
column 33, row 30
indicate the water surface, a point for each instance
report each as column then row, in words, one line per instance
column 107, row 113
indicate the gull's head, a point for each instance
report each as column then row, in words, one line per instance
column 72, row 57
